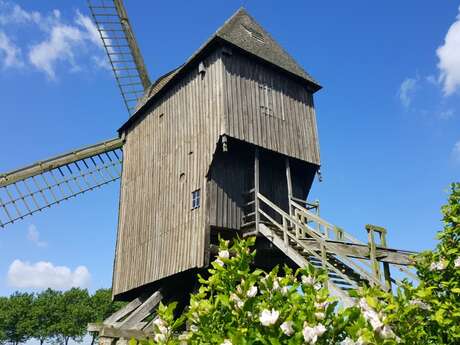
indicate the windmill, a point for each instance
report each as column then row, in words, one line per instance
column 224, row 145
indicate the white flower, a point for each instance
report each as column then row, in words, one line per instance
column 194, row 328
column 226, row 342
column 223, row 254
column 161, row 325
column 219, row 262
column 420, row 304
column 322, row 305
column 386, row 332
column 457, row 262
column 347, row 341
column 268, row 318
column 235, row 299
column 373, row 319
column 438, row 266
column 308, row 280
column 284, row 290
column 363, row 304
column 311, row 334
column 317, row 286
column 276, row 285
column 252, row 291
column 287, row 329
column 320, row 315
column 361, row 341
column 159, row 337
column 183, row 338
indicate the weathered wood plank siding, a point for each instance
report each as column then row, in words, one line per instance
column 232, row 173
column 268, row 108
column 166, row 156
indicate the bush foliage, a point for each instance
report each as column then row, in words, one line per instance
column 238, row 305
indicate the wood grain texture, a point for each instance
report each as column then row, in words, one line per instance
column 166, row 156
column 173, row 149
column 288, row 126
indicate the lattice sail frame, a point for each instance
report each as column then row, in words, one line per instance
column 125, row 59
column 31, row 189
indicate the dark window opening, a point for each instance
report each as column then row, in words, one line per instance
column 196, row 199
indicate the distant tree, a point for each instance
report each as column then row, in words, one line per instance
column 3, row 306
column 74, row 313
column 102, row 307
column 45, row 315
column 16, row 317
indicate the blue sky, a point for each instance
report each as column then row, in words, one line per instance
column 388, row 116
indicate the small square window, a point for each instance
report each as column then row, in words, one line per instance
column 196, row 199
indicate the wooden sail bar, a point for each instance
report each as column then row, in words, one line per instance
column 123, row 53
column 349, row 261
column 28, row 190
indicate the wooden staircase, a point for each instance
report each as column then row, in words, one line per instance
column 306, row 238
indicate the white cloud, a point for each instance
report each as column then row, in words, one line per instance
column 34, row 236
column 59, row 46
column 449, row 59
column 91, row 32
column 11, row 13
column 456, row 151
column 407, row 91
column 65, row 42
column 10, row 54
column 42, row 275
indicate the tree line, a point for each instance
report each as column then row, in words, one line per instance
column 53, row 316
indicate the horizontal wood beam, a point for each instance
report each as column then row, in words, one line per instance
column 359, row 251
column 59, row 161
column 114, row 332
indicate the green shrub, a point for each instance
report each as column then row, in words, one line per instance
column 237, row 305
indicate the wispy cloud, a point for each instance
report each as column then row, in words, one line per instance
column 13, row 13
column 407, row 91
column 58, row 47
column 65, row 43
column 449, row 59
column 10, row 54
column 34, row 236
column 456, row 151
column 42, row 275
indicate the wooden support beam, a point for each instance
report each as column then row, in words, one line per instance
column 256, row 188
column 118, row 315
column 289, row 184
column 361, row 251
column 143, row 311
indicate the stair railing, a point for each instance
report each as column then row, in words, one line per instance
column 314, row 235
column 343, row 236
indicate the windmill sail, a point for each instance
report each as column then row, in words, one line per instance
column 122, row 50
column 26, row 191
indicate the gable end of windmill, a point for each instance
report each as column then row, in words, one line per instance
column 240, row 32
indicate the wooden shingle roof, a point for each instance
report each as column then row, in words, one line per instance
column 242, row 31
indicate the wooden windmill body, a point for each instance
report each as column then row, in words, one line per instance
column 195, row 136
column 226, row 144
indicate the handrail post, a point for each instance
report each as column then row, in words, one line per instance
column 256, row 189
column 289, row 184
column 373, row 250
column 386, row 265
column 318, row 226
column 285, row 232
